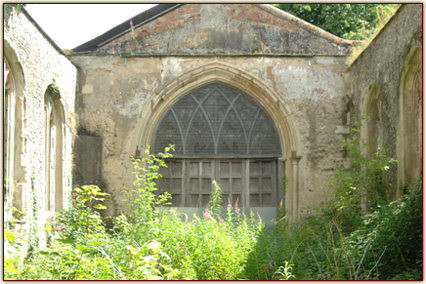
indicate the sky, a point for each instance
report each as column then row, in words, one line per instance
column 71, row 25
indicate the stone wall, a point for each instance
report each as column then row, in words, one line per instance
column 291, row 68
column 296, row 72
column 115, row 93
column 35, row 62
column 377, row 73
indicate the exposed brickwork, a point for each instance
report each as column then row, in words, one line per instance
column 171, row 20
column 225, row 28
column 252, row 13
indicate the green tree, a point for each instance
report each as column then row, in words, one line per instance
column 348, row 21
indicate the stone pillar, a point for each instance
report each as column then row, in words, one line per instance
column 295, row 186
column 292, row 192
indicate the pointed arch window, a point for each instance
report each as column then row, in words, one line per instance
column 9, row 119
column 217, row 120
column 410, row 154
column 54, row 129
column 374, row 120
column 13, row 113
column 222, row 134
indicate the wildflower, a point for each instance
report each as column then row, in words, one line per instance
column 386, row 168
column 229, row 208
column 237, row 210
column 133, row 29
column 258, row 215
column 207, row 213
column 220, row 218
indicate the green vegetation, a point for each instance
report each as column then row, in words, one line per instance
column 340, row 241
column 349, row 21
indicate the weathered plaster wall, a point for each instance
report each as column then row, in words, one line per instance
column 380, row 65
column 39, row 64
column 113, row 92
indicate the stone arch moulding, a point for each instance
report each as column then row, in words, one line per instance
column 166, row 95
column 409, row 133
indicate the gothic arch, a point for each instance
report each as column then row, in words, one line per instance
column 167, row 95
column 410, row 132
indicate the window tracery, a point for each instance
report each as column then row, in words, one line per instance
column 221, row 134
column 217, row 120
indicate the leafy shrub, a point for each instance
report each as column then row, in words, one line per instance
column 208, row 248
column 362, row 184
column 145, row 203
column 343, row 241
column 225, row 244
column 393, row 235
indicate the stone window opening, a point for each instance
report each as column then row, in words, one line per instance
column 54, row 128
column 8, row 124
column 222, row 134
column 410, row 132
column 374, row 120
column 13, row 112
column 372, row 135
column 9, row 118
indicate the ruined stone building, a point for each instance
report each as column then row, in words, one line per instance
column 250, row 96
column 38, row 122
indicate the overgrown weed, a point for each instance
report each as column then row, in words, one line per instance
column 339, row 242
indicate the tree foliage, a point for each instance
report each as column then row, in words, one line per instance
column 348, row 21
